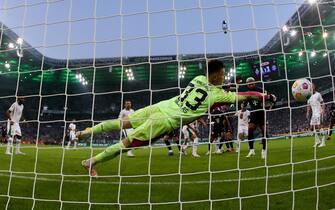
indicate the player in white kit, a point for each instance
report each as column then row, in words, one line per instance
column 315, row 103
column 190, row 133
column 14, row 114
column 242, row 125
column 124, row 113
column 72, row 135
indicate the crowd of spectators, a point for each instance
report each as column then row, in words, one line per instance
column 280, row 121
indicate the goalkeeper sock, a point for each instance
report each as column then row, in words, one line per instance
column 109, row 153
column 106, row 126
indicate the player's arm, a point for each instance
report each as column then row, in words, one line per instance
column 121, row 115
column 253, row 95
column 8, row 112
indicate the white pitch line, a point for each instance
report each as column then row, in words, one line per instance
column 166, row 183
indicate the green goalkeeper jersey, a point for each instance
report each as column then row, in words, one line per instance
column 195, row 101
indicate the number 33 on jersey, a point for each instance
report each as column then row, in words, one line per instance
column 196, row 100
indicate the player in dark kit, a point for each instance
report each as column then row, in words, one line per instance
column 228, row 133
column 332, row 121
column 217, row 129
column 257, row 118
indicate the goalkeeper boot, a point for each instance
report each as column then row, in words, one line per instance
column 89, row 167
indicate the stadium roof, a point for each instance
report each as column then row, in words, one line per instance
column 291, row 52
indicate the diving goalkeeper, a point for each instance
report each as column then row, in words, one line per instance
column 153, row 121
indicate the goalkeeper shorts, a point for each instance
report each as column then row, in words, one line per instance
column 149, row 123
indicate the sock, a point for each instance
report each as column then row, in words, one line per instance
column 330, row 132
column 18, row 144
column 75, row 144
column 231, row 145
column 264, row 143
column 209, row 146
column 195, row 145
column 106, row 126
column 167, row 143
column 68, row 144
column 109, row 153
column 178, row 145
column 317, row 139
column 9, row 145
column 250, row 138
column 227, row 145
column 221, row 143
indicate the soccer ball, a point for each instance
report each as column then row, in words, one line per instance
column 302, row 90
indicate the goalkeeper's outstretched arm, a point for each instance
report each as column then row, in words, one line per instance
column 253, row 95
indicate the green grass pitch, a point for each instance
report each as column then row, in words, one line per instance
column 208, row 182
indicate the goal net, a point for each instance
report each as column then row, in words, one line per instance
column 79, row 62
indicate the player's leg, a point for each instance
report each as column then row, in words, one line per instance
column 9, row 147
column 315, row 122
column 330, row 131
column 18, row 137
column 166, row 138
column 18, row 145
column 68, row 144
column 75, row 143
column 229, row 142
column 212, row 139
column 195, row 145
column 143, row 135
column 323, row 137
column 221, row 140
column 251, row 130
column 186, row 135
column 130, row 151
column 264, row 142
column 103, row 127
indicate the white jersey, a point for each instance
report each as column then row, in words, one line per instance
column 72, row 127
column 315, row 102
column 15, row 112
column 244, row 121
column 72, row 133
column 125, row 113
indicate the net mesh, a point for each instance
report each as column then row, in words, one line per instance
column 78, row 61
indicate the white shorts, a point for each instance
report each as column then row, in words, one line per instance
column 13, row 130
column 315, row 120
column 242, row 130
column 72, row 136
column 186, row 133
